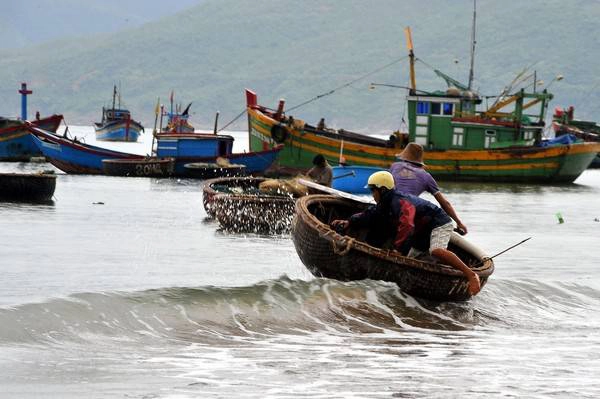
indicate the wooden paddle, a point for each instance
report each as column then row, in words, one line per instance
column 333, row 191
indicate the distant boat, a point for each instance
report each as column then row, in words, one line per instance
column 16, row 143
column 27, row 186
column 564, row 123
column 74, row 156
column 116, row 124
column 177, row 120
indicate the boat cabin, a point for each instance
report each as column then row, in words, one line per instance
column 450, row 120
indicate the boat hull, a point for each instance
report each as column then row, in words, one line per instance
column 147, row 167
column 326, row 253
column 16, row 143
column 37, row 187
column 124, row 130
column 552, row 164
column 74, row 157
column 353, row 179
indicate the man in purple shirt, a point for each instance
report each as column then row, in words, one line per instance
column 411, row 178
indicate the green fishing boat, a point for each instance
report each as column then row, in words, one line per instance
column 501, row 143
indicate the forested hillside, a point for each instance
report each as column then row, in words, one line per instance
column 297, row 50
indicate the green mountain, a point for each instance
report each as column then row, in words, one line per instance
column 298, row 50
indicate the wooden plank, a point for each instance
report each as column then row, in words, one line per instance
column 333, row 191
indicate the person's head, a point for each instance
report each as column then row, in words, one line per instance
column 412, row 153
column 379, row 183
column 319, row 160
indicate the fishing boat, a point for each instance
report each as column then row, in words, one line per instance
column 74, row 156
column 502, row 143
column 116, row 123
column 564, row 123
column 189, row 148
column 146, row 167
column 353, row 179
column 329, row 254
column 29, row 187
column 16, row 143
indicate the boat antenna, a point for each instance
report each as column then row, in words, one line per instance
column 472, row 45
column 114, row 95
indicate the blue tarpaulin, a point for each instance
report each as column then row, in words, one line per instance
column 560, row 140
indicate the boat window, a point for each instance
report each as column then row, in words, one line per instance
column 490, row 132
column 436, row 109
column 422, row 107
column 528, row 135
column 448, row 108
column 458, row 137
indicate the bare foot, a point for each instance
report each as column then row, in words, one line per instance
column 474, row 284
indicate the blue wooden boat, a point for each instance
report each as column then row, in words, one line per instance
column 16, row 143
column 116, row 124
column 353, row 179
column 189, row 148
column 74, row 156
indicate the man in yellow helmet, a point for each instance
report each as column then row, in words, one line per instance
column 413, row 223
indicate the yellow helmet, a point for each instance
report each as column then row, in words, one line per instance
column 380, row 179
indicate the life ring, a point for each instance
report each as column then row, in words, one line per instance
column 279, row 133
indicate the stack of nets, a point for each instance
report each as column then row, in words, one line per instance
column 289, row 187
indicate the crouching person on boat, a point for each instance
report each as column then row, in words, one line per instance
column 411, row 223
column 321, row 172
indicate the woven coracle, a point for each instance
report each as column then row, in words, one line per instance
column 261, row 214
column 227, row 185
column 328, row 254
column 27, row 186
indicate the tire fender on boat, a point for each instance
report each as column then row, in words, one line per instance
column 279, row 133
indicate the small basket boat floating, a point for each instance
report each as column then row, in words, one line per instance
column 328, row 254
column 30, row 187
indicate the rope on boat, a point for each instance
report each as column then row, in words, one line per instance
column 233, row 120
column 342, row 251
column 346, row 84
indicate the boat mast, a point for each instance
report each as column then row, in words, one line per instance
column 114, row 96
column 472, row 46
column 411, row 55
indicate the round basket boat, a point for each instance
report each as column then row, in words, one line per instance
column 228, row 185
column 251, row 213
column 326, row 253
column 31, row 187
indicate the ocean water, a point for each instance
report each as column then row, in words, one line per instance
column 122, row 288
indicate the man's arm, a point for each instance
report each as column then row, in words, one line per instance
column 447, row 207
